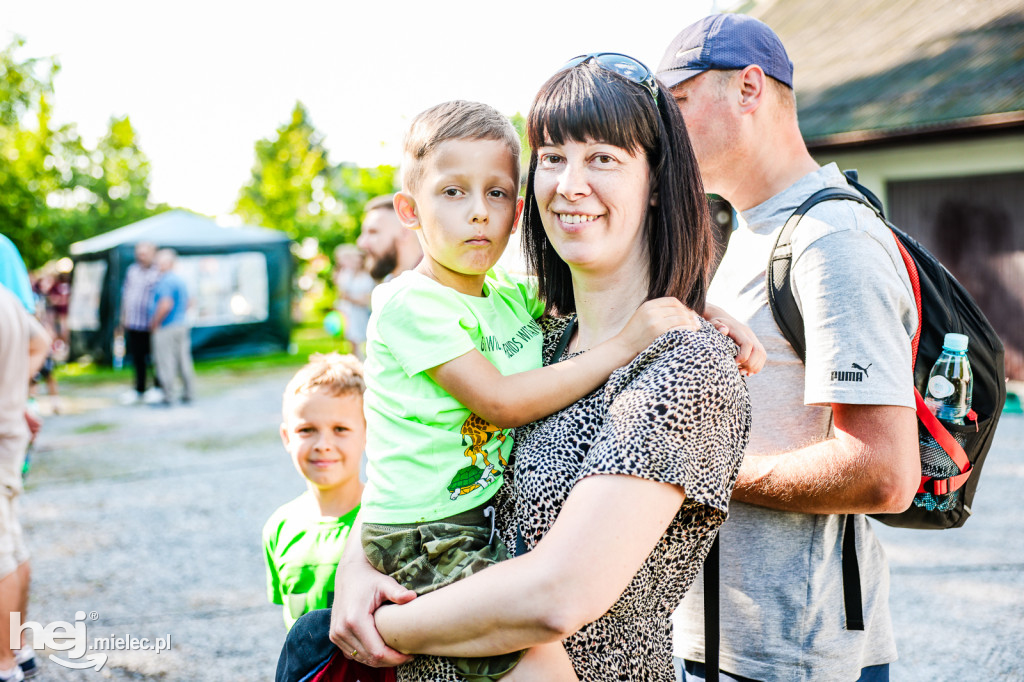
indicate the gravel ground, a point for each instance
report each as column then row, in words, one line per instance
column 149, row 519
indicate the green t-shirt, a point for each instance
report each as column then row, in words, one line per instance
column 302, row 550
column 428, row 456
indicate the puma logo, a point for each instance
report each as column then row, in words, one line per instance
column 863, row 369
column 852, row 376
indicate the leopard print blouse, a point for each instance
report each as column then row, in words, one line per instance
column 679, row 413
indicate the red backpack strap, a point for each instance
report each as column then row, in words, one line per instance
column 942, row 486
column 915, row 282
column 939, row 486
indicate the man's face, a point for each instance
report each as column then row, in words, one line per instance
column 144, row 254
column 379, row 239
column 704, row 103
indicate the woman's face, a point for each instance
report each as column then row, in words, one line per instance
column 593, row 198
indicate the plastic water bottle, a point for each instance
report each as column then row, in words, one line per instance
column 950, row 382
column 118, row 351
column 948, row 396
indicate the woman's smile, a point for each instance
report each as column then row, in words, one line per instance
column 572, row 222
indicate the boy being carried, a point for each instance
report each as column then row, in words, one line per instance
column 454, row 362
column 324, row 431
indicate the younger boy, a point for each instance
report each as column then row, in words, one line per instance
column 324, row 431
column 454, row 361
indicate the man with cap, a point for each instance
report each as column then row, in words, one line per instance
column 824, row 448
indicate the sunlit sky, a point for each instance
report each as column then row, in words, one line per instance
column 203, row 80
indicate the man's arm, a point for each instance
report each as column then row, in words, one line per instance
column 163, row 308
column 872, row 465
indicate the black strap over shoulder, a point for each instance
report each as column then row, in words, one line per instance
column 780, row 288
column 563, row 342
column 711, row 617
column 852, row 601
column 791, row 323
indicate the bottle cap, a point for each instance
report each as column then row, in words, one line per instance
column 955, row 342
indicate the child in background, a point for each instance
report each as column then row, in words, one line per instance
column 324, row 432
column 353, row 284
column 454, row 360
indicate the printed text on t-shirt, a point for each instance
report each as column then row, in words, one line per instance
column 514, row 344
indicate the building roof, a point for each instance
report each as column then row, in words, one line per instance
column 178, row 229
column 871, row 70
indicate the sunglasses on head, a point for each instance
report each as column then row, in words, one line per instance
column 624, row 65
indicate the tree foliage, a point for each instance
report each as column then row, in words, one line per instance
column 53, row 190
column 287, row 189
column 296, row 188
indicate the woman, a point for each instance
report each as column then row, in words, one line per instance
column 618, row 497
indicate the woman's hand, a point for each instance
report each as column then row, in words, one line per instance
column 751, row 356
column 652, row 319
column 352, row 626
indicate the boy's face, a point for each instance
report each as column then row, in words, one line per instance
column 465, row 207
column 325, row 435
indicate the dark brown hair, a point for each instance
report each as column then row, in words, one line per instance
column 587, row 102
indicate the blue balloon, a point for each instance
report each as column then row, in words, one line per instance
column 333, row 323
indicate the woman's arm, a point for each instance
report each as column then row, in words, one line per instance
column 521, row 398
column 359, row 590
column 607, row 528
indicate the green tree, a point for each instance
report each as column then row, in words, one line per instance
column 352, row 186
column 289, row 186
column 296, row 188
column 111, row 183
column 53, row 190
column 519, row 123
column 30, row 152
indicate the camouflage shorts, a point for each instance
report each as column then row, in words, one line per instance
column 427, row 556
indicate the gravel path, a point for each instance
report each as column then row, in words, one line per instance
column 150, row 519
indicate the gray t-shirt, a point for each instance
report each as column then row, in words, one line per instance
column 782, row 615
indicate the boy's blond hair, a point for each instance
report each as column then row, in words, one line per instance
column 455, row 120
column 332, row 373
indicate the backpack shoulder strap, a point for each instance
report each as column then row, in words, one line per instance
column 791, row 323
column 777, row 282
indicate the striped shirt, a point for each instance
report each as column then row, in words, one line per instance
column 137, row 296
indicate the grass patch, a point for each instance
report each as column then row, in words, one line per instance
column 306, row 339
column 96, row 427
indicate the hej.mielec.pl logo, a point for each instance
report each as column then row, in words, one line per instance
column 72, row 639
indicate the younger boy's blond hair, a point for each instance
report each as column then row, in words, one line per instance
column 332, row 373
column 455, row 120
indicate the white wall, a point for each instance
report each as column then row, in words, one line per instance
column 997, row 154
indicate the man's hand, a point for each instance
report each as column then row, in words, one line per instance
column 34, row 423
column 352, row 627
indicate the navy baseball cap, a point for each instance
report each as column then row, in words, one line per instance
column 725, row 42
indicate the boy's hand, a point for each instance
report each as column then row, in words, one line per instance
column 352, row 628
column 652, row 319
column 751, row 356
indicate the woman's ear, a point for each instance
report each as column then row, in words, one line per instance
column 654, row 199
column 405, row 207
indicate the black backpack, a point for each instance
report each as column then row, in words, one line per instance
column 943, row 306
